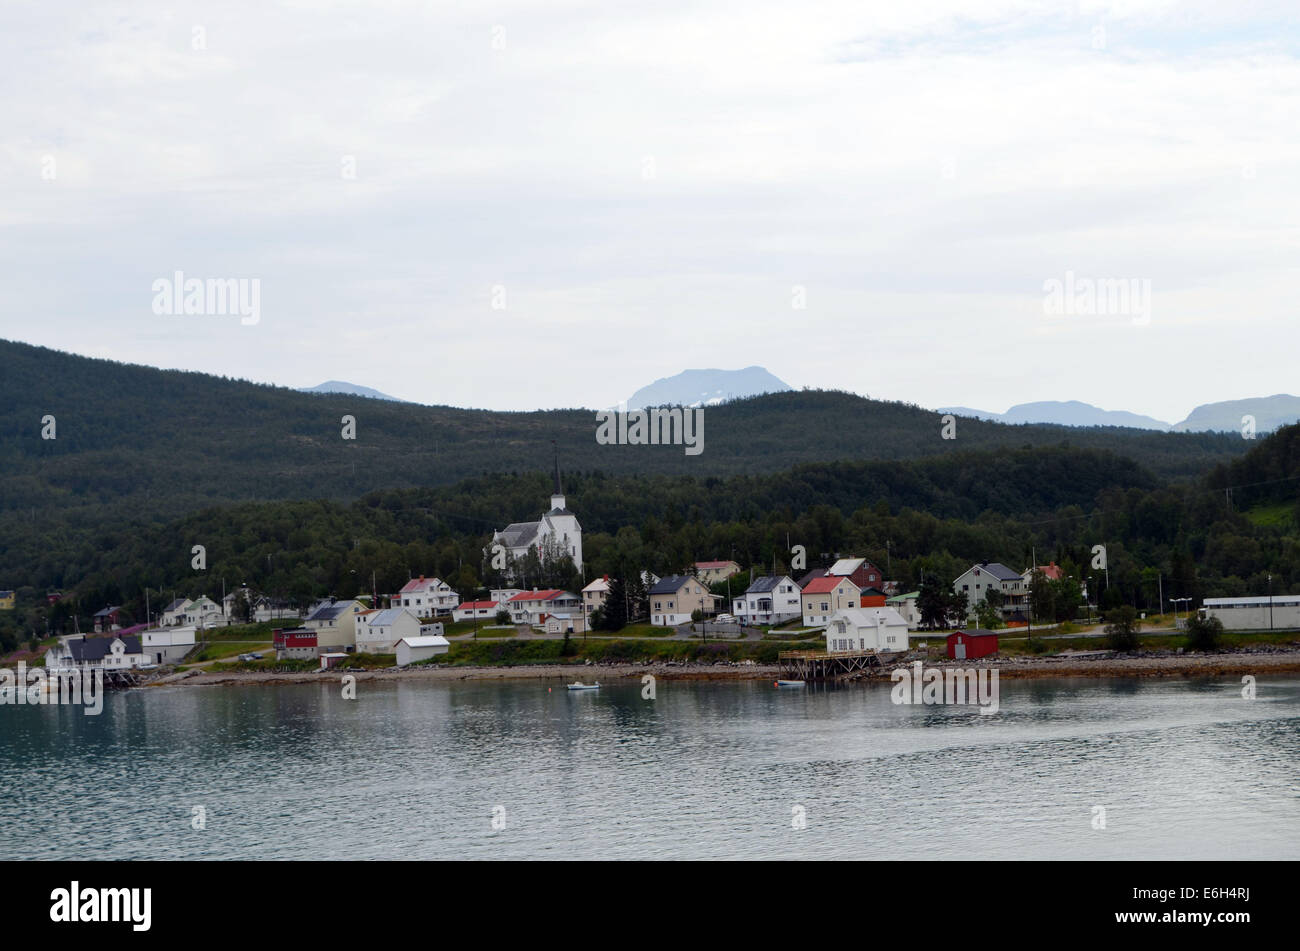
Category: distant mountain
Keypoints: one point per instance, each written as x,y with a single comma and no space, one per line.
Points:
1068,413
706,388
350,389
1270,412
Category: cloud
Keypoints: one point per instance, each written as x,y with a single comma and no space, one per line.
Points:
648,183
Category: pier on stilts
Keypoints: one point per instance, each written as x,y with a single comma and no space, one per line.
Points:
824,665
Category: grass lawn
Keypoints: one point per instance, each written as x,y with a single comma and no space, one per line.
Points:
219,650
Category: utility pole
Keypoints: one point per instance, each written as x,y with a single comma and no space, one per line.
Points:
1270,603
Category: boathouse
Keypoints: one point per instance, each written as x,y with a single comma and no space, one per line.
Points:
972,643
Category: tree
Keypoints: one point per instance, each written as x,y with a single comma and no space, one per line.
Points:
1122,626
613,617
1042,597
1067,596
933,603
958,607
503,616
987,615
1203,633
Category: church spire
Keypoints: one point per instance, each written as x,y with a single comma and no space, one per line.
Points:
558,490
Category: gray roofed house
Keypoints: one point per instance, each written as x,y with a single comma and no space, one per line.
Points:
771,599
978,580
81,651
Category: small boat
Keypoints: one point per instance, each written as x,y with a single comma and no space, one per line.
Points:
579,685
789,683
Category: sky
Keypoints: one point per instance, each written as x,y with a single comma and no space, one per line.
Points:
517,206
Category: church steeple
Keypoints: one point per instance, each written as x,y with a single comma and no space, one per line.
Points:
557,497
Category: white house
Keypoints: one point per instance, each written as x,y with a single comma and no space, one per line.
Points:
379,631
426,597
167,645
412,649
77,651
906,606
529,607
866,629
1279,612
469,610
595,595
555,534
502,595
769,600
203,612
175,613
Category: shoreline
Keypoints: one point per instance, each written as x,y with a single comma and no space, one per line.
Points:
1271,661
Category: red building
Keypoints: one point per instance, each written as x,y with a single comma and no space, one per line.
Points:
872,598
973,643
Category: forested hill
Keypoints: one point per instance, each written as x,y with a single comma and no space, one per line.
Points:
152,443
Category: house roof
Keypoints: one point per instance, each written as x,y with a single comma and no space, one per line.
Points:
387,616
975,632
328,612
872,591
671,584
550,594
520,534
420,584
997,570
426,640
176,605
910,596
809,576
823,585
475,605
108,610
96,648
600,584
870,617
765,583
1052,571
845,566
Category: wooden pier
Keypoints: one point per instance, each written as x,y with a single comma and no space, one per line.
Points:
823,665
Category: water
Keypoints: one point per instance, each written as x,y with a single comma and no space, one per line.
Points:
1183,769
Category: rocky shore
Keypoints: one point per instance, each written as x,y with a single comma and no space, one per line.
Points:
1256,661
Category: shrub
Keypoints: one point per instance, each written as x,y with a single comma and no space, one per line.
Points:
1203,634
1122,626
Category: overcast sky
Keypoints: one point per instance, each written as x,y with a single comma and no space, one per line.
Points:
658,186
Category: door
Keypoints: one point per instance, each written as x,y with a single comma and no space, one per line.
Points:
960,650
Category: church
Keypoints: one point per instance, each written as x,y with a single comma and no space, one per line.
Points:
555,534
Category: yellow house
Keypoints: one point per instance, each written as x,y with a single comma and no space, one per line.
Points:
6,600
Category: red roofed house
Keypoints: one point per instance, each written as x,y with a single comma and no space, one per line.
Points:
426,597
531,607
468,610
822,597
1052,572
711,572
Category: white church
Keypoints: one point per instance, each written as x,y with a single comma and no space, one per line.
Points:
556,533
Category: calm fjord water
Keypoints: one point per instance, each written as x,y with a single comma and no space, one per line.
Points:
1183,769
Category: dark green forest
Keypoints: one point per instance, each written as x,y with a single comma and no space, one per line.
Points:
148,463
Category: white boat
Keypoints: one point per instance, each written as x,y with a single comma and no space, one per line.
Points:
579,685
789,683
